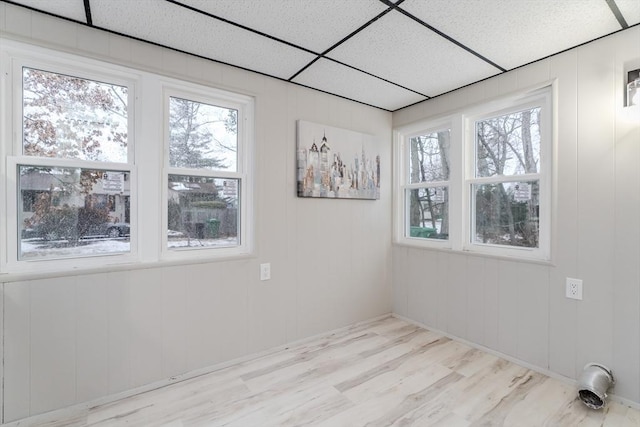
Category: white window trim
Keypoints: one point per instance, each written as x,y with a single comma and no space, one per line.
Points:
18,55
145,163
244,105
402,138
462,170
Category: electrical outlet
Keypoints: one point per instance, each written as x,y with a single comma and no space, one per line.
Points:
265,271
574,288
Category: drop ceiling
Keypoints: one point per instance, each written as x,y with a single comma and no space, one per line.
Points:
387,54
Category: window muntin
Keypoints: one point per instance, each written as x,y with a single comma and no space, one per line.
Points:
71,117
427,189
68,214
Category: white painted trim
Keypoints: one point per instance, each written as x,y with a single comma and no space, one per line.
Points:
148,248
462,174
401,153
244,105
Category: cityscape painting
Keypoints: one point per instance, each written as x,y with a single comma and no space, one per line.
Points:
336,163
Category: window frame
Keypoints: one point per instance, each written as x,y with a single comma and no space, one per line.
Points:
18,57
541,98
145,162
462,174
244,105
405,185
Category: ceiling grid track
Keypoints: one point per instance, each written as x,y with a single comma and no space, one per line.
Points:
616,12
353,33
243,27
361,63
87,12
450,39
318,55
377,77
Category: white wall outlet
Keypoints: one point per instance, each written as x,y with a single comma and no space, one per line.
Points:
574,288
265,271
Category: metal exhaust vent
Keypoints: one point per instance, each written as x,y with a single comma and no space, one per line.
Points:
593,385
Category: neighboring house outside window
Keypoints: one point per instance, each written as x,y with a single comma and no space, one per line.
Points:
207,165
74,129
72,152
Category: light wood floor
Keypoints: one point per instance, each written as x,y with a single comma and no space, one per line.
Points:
384,373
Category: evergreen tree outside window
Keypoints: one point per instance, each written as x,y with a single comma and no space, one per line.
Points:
81,171
206,173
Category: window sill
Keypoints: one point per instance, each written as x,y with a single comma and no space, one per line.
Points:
548,263
110,268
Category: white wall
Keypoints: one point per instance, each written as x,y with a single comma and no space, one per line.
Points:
76,338
518,308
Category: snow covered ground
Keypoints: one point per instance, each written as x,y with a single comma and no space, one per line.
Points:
40,249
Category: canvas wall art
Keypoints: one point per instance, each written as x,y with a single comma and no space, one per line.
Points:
336,163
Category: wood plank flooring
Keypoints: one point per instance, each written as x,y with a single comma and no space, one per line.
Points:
383,373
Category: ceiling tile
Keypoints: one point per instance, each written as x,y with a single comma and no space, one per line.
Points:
344,81
513,33
314,25
399,49
175,26
630,9
72,9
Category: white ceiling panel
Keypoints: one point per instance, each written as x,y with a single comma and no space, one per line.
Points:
399,49
403,59
630,9
513,33
72,9
314,25
340,80
170,25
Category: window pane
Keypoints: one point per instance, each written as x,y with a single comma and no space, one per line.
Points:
72,212
202,136
509,144
74,118
429,157
429,212
202,212
507,213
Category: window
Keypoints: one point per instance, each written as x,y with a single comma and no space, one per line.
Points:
79,170
427,189
478,180
206,172
505,187
72,163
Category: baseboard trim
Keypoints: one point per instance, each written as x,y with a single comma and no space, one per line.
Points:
524,364
80,409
